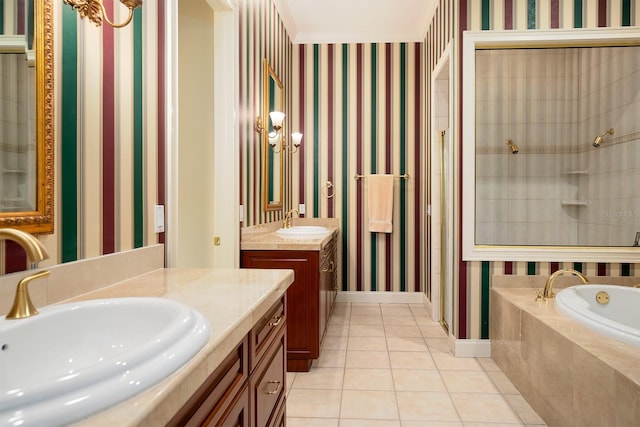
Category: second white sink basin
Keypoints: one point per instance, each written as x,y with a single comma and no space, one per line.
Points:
303,232
75,359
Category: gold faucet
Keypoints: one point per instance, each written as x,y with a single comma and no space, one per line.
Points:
548,286
36,252
287,218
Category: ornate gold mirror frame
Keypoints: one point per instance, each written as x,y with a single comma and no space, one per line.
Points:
273,96
41,219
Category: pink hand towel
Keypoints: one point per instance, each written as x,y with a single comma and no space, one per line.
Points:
380,203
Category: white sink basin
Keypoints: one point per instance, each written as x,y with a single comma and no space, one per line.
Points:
303,232
75,359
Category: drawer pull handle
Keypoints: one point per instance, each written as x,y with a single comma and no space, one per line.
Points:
276,322
278,385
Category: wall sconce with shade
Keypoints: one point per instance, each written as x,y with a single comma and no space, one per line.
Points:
276,139
95,11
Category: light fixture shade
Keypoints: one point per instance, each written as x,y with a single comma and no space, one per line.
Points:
296,138
274,138
276,118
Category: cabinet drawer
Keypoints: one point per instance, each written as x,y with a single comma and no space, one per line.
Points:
237,415
212,401
268,383
265,331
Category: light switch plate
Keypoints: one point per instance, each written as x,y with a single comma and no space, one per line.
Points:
302,208
158,218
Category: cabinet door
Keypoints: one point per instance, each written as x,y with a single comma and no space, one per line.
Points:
303,301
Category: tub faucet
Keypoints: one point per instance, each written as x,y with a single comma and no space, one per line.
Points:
36,252
548,286
287,218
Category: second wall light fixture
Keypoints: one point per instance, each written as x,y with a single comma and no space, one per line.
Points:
95,11
276,139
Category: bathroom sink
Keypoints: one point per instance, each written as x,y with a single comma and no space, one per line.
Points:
303,232
75,359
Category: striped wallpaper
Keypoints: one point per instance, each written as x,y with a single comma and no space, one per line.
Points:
361,109
475,277
109,134
262,35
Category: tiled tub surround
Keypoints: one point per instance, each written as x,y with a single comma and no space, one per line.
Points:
569,374
233,301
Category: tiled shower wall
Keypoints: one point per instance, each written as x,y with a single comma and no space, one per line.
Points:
558,189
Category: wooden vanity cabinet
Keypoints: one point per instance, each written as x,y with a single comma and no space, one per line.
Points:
310,297
248,388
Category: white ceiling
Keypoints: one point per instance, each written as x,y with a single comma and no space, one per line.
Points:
355,21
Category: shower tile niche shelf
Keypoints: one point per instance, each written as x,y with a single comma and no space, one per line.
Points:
573,203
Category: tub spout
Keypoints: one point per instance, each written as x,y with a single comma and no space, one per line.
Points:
548,286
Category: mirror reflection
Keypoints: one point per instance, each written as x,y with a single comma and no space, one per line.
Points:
273,154
26,115
557,141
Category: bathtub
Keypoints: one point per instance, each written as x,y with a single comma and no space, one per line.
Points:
607,309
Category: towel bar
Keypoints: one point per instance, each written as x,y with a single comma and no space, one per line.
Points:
403,176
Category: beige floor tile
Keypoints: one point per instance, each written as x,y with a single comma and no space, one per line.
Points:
485,408
488,364
303,403
336,329
330,359
367,343
369,423
366,331
468,382
396,310
426,405
368,379
369,404
320,378
366,320
313,422
399,320
406,423
332,342
447,361
366,310
340,319
368,359
291,376
502,382
402,331
418,380
438,345
432,331
411,360
522,408
406,344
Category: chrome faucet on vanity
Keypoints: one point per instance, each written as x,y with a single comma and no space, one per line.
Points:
548,286
287,218
36,252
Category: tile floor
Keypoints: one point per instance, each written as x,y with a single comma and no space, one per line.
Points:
388,365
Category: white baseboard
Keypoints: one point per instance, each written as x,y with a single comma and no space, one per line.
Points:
470,348
381,297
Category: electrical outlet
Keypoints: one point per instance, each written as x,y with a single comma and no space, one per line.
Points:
302,209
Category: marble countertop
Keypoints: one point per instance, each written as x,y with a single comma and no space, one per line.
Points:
264,236
233,300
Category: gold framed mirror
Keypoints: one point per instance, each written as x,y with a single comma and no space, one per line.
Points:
273,98
27,143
